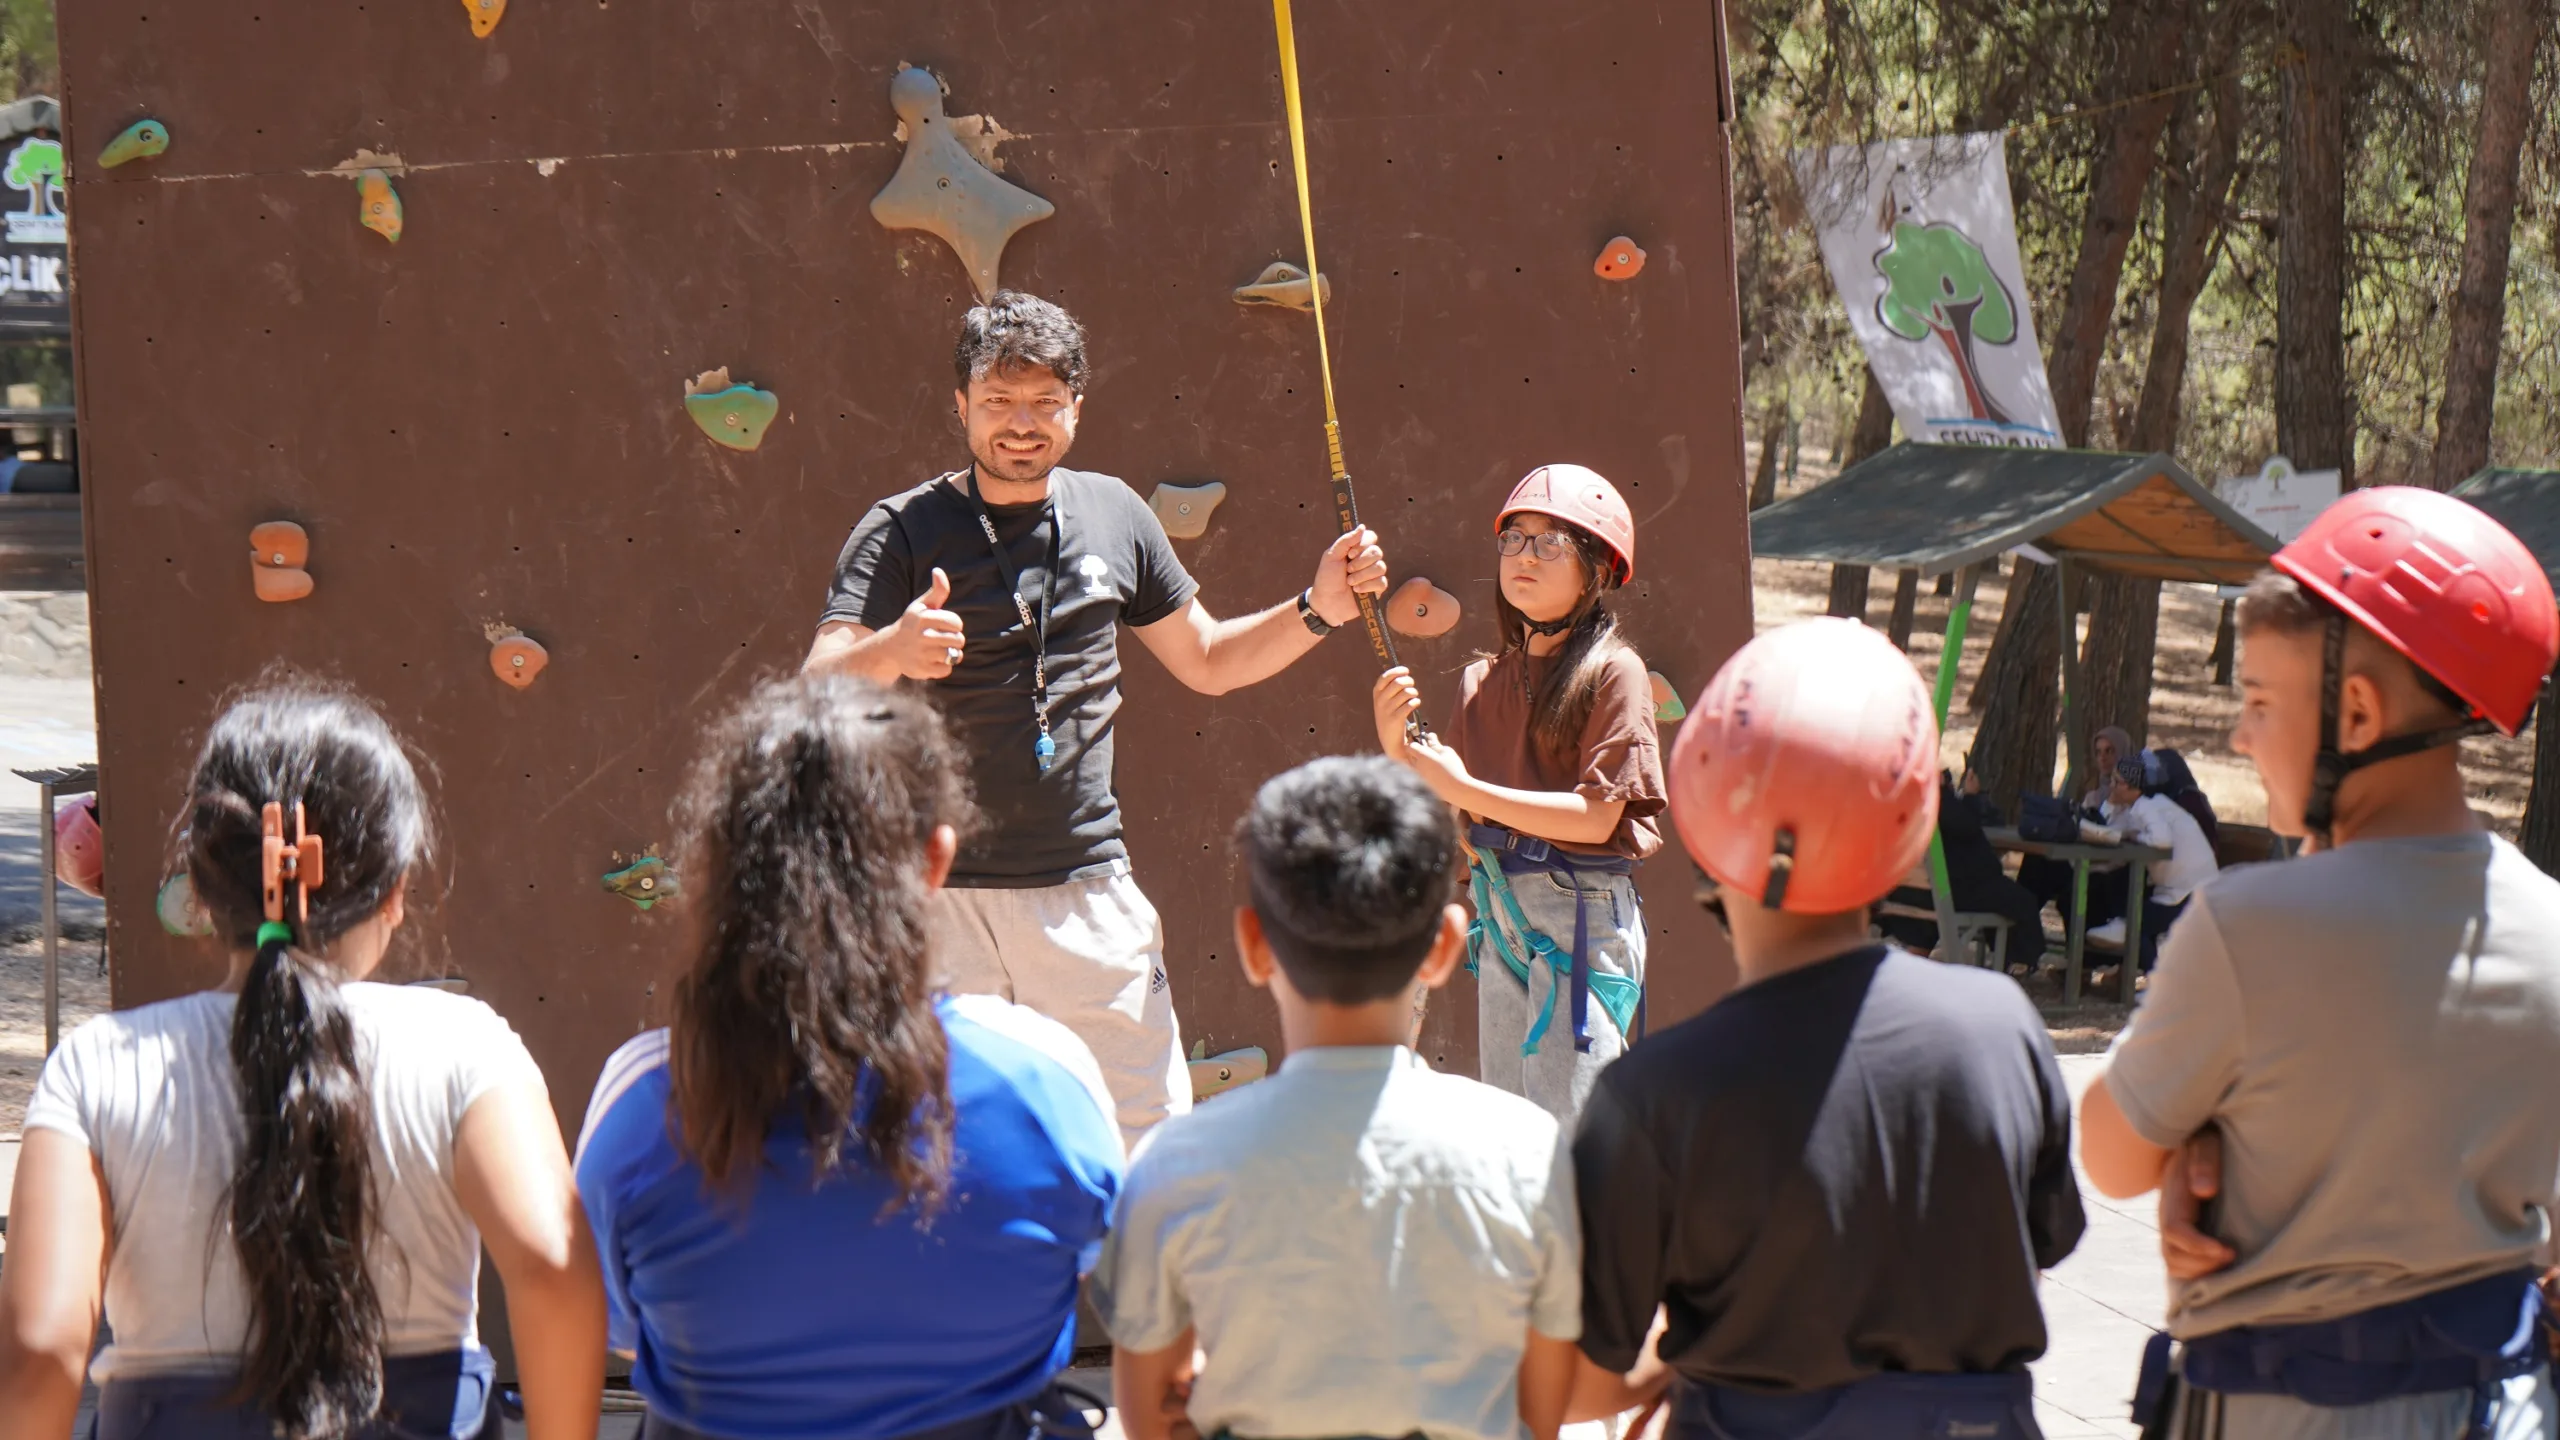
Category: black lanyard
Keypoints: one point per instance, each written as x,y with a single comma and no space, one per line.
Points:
1043,750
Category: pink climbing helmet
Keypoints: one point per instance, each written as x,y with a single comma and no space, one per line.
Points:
1803,777
79,847
1577,495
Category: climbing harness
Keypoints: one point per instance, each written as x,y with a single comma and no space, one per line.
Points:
1346,509
1490,887
2473,1337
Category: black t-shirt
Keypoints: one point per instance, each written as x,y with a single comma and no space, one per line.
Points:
1114,566
1855,1167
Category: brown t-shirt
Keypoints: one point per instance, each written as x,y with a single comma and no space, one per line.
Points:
1620,757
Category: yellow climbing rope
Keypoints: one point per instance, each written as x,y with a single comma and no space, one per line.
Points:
1346,509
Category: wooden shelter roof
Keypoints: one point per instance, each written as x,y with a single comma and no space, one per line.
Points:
1936,508
2526,502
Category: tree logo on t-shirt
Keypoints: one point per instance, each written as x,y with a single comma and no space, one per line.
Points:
1097,574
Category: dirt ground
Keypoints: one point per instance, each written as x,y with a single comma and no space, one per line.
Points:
84,993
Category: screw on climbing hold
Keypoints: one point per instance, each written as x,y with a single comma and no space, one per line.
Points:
1285,285
1666,701
378,205
179,911
735,415
485,15
278,551
1421,609
942,189
644,882
1211,1074
1184,510
139,141
1620,259
516,657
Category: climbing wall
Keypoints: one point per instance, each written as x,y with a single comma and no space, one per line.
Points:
482,428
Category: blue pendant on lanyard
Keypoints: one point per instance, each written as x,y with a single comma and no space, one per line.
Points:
1044,751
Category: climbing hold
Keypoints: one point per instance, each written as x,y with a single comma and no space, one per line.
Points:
1185,509
735,415
1285,285
1211,1074
378,205
485,15
942,189
1666,701
516,658
1620,259
179,910
644,882
277,552
140,141
1422,609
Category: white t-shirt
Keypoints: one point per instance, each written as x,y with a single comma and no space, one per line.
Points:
150,1091
1416,1224
2159,821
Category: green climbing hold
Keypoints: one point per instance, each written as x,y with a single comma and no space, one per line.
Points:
736,416
1666,700
644,882
140,141
180,912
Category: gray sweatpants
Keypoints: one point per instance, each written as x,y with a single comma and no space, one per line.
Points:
1558,1078
1088,954
2524,1411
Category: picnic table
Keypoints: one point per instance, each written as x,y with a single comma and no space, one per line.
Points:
2083,855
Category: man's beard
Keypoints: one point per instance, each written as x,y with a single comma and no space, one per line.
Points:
1017,470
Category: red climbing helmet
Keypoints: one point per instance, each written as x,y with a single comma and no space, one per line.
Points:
79,849
1805,774
2441,583
1580,496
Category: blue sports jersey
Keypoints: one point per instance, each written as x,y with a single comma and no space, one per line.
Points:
788,1311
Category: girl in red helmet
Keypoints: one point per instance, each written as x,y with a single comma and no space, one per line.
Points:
1838,1183
1552,756
2365,1029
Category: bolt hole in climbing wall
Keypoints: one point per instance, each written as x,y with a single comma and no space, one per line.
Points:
572,339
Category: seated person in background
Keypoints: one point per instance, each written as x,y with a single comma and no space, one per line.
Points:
2156,820
1362,1245
831,1201
2165,772
2048,879
1975,880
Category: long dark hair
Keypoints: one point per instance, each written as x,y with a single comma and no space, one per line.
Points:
1560,705
805,833
301,1199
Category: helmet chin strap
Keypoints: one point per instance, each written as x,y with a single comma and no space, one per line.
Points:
2332,766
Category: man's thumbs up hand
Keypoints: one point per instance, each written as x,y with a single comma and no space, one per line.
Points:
927,640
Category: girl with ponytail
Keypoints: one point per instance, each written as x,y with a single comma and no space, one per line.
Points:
1552,756
831,1200
277,1189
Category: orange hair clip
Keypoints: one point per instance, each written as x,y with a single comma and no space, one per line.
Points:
279,862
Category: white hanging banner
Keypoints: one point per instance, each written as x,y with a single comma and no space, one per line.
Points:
2280,499
1922,242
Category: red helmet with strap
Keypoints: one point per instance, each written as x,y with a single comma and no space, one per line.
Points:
2446,586
1805,774
1580,496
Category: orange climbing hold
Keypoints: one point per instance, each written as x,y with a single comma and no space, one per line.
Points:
1620,259
516,659
277,552
378,205
485,15
1422,610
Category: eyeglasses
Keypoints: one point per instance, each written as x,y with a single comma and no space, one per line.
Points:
1550,546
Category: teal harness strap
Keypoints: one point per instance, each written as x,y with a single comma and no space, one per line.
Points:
1488,886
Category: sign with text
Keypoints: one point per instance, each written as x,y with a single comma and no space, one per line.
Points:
2279,499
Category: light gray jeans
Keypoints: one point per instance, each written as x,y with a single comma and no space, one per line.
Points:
1558,1078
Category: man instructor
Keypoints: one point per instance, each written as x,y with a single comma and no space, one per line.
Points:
1004,584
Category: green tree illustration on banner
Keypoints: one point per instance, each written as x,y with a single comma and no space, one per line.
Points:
1939,283
36,168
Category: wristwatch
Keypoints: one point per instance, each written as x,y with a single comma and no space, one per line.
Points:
1316,624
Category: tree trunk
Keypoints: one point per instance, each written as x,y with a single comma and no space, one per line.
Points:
2124,613
2479,314
2226,645
1874,433
2540,837
2147,38
1764,476
2022,690
1906,607
2314,419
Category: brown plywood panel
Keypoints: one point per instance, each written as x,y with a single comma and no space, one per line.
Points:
483,424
